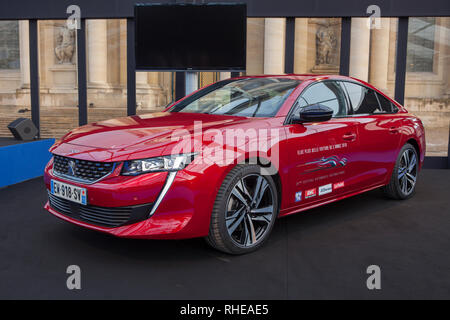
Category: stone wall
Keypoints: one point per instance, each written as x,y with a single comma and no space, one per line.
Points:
317,50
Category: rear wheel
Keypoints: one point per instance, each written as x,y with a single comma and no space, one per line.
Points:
403,180
244,211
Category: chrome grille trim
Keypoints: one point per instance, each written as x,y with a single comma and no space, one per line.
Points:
86,172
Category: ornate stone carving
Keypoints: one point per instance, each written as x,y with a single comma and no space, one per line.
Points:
326,45
65,45
326,31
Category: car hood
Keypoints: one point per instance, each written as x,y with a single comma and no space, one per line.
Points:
136,136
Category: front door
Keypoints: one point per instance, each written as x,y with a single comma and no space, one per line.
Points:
320,156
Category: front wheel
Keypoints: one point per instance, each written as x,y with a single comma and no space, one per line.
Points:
403,180
244,211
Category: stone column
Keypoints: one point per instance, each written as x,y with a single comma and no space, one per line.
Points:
255,46
360,49
156,94
24,53
224,75
142,90
301,46
379,60
274,43
142,80
123,53
148,90
153,78
97,53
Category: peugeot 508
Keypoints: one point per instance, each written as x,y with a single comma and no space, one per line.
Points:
224,162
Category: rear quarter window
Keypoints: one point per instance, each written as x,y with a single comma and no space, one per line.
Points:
386,105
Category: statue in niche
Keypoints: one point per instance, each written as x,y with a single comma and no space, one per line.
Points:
326,44
65,45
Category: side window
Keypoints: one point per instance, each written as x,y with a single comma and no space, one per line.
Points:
326,93
363,100
386,105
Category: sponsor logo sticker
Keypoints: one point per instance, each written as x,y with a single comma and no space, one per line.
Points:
298,196
338,185
325,189
310,193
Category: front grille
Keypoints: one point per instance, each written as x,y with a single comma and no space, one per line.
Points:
81,170
100,216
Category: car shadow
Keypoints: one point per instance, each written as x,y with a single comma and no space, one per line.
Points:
313,220
341,211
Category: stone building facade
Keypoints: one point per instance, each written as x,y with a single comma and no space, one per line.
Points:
317,50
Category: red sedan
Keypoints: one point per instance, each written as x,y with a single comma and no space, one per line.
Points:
226,161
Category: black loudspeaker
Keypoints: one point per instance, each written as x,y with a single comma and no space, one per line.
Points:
23,129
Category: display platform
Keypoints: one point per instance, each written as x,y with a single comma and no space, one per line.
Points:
22,160
320,254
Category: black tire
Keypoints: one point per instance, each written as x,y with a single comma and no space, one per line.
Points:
219,233
395,189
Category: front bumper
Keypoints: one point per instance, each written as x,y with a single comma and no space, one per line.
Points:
100,216
153,216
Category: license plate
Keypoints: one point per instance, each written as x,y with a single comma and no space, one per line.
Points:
68,192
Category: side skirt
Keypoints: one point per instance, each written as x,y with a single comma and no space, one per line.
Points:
288,212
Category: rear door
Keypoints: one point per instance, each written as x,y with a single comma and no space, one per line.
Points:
318,156
378,132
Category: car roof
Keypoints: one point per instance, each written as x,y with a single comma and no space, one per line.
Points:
301,77
313,77
318,77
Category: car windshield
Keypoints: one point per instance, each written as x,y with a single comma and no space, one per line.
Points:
252,97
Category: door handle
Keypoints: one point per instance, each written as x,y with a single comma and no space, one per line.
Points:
393,129
349,136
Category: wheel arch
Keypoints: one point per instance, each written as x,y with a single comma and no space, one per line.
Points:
416,146
261,161
264,162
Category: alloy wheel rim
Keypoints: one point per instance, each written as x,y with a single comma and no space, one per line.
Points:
407,171
250,209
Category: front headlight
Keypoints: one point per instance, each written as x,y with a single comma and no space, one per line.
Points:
158,164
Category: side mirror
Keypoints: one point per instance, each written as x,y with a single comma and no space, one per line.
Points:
314,113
